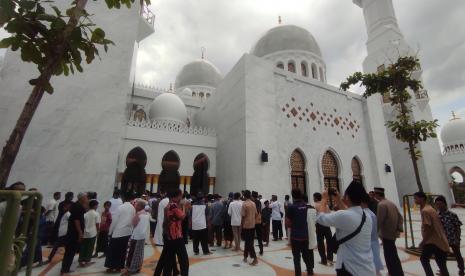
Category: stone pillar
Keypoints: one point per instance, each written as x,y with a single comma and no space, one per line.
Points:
155,182
211,185
187,186
148,182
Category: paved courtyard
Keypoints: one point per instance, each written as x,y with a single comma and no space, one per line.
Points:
277,260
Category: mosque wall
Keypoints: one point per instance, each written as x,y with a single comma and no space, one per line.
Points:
73,141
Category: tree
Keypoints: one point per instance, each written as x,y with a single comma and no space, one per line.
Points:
396,83
56,43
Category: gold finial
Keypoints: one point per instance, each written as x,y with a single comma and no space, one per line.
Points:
202,50
279,20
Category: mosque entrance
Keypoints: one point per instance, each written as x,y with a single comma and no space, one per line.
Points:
199,181
169,177
458,185
298,171
133,179
330,173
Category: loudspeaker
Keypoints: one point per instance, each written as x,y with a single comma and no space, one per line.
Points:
264,156
387,168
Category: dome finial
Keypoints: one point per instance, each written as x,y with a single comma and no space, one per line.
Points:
202,50
279,20
454,117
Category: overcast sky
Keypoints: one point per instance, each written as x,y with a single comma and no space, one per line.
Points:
228,29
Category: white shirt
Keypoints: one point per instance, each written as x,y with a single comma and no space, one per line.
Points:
115,203
355,254
275,210
199,219
91,218
234,210
311,220
140,231
52,206
121,225
262,201
161,214
63,228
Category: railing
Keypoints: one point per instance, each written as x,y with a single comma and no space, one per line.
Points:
147,14
12,243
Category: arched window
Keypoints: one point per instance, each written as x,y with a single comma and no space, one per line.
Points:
322,76
194,94
356,169
208,95
457,175
291,66
200,178
314,71
303,68
134,177
201,95
280,65
140,115
298,171
169,177
330,173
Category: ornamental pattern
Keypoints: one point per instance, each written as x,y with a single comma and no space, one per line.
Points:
173,126
297,162
316,118
329,165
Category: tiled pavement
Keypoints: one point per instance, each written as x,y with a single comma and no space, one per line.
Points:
277,260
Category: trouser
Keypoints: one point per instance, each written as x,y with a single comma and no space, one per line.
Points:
301,248
171,250
218,230
237,236
116,252
322,233
440,257
277,229
344,272
258,233
248,246
202,237
61,241
266,232
153,226
86,250
210,234
71,248
50,237
185,230
458,257
391,257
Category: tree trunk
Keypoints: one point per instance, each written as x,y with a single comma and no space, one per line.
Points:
415,165
13,144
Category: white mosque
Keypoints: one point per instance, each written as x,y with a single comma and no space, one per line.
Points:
270,124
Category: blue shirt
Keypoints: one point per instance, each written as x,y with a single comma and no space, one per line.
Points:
355,254
297,214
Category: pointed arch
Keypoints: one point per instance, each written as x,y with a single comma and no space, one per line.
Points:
331,171
298,171
280,65
291,66
304,68
169,177
314,71
200,177
357,169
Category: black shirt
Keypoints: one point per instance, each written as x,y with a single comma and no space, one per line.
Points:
77,213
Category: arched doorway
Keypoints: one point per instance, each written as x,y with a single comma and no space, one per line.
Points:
199,181
169,177
356,170
458,185
330,174
133,179
298,171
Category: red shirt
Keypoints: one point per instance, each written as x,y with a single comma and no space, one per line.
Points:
173,218
105,221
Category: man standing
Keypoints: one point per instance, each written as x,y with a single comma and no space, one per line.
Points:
234,210
451,223
217,218
51,214
115,202
258,221
434,239
160,219
249,213
276,218
120,232
141,223
199,225
68,200
75,233
323,233
389,227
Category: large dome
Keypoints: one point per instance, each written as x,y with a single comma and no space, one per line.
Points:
285,38
453,131
199,72
168,106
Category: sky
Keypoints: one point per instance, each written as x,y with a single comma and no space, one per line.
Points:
229,28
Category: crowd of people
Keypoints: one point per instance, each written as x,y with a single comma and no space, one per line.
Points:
123,226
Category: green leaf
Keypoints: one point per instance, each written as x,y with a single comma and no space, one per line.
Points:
7,42
48,88
97,35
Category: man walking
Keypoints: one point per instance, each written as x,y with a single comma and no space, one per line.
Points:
296,220
217,219
451,223
249,213
434,239
276,218
389,227
199,225
323,233
51,215
234,210
258,221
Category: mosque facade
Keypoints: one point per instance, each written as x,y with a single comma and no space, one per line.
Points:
270,124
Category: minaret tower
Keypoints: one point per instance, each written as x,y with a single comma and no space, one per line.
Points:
385,45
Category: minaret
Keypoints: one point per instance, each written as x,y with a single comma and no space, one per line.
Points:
385,45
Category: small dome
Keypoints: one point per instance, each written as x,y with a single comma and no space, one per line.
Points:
168,106
198,72
453,131
285,38
186,92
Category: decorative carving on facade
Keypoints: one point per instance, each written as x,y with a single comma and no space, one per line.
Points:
454,149
173,126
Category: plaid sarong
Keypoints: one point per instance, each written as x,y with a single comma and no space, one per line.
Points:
137,256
